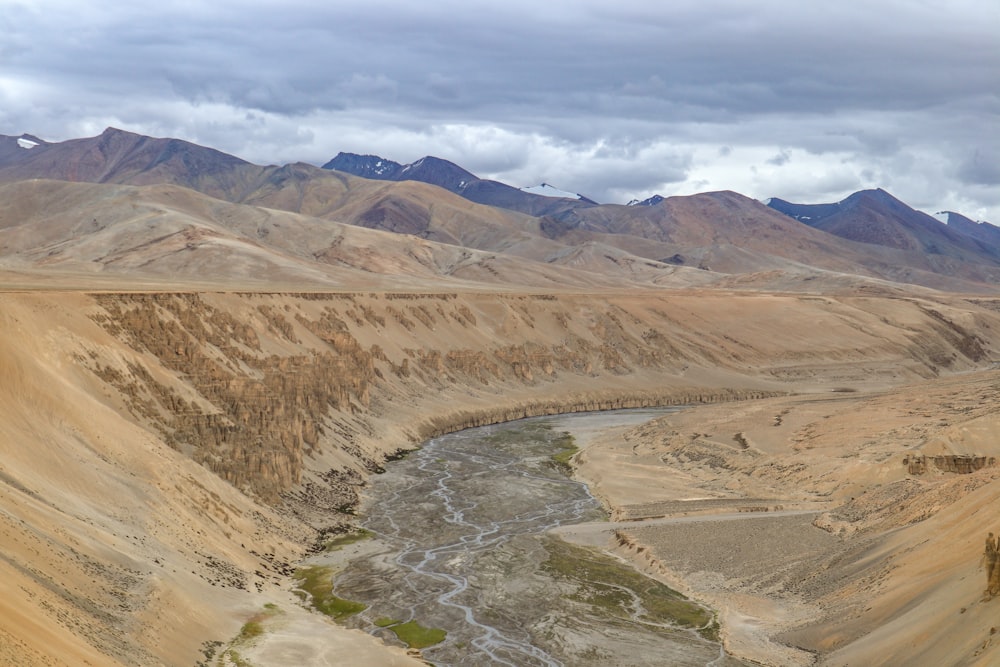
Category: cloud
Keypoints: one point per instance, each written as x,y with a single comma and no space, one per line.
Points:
780,159
981,168
615,101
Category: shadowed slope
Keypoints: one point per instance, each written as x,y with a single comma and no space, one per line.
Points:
877,218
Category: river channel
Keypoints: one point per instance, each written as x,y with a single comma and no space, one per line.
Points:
461,544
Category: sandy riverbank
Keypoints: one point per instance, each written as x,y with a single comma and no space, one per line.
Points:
822,587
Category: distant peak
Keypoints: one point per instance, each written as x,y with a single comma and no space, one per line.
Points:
344,154
877,194
114,131
651,201
368,166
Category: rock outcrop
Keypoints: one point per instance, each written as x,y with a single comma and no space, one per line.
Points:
962,464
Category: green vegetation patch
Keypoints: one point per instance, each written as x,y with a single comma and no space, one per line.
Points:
567,450
315,586
613,588
340,541
542,435
415,635
255,626
252,628
538,431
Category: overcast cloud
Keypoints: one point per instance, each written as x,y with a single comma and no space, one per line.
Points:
804,101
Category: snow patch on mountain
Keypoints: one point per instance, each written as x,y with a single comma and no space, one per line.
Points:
651,201
547,190
413,165
26,143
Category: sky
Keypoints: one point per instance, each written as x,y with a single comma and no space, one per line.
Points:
805,101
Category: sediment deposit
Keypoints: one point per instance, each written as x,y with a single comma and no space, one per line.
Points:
880,565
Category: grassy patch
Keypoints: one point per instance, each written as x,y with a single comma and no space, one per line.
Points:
315,586
255,626
600,579
252,628
567,450
340,541
415,635
385,622
532,430
711,631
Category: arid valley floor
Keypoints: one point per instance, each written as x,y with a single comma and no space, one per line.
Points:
137,528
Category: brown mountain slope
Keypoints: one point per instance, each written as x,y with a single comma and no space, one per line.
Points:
701,227
453,178
402,208
407,207
724,232
876,217
116,156
126,158
178,236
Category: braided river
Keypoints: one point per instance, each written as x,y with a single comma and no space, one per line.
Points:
461,543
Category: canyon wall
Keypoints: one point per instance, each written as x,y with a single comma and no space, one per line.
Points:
167,456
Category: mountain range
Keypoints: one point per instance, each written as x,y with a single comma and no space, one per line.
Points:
171,207
205,363
448,175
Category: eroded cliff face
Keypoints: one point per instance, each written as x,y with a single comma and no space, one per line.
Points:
963,464
254,386
219,434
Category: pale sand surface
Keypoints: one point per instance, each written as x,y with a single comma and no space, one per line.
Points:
299,637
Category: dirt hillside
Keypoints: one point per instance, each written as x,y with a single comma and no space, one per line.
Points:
167,457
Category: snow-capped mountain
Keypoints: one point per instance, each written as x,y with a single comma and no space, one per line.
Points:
27,141
547,190
651,201
876,217
367,166
540,200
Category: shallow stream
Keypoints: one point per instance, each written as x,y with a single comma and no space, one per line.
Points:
461,545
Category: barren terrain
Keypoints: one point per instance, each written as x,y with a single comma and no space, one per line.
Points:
885,566
203,363
168,457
